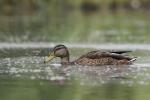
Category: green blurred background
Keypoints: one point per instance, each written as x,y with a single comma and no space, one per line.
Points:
78,21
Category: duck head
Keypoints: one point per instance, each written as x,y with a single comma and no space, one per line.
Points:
60,51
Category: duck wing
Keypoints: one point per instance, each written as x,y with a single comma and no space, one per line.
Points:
120,51
113,54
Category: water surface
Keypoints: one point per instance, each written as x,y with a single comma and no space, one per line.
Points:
24,76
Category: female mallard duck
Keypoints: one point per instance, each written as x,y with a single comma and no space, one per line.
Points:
93,58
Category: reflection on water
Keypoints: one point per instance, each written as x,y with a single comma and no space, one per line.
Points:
24,76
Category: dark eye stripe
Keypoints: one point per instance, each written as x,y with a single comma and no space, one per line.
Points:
59,47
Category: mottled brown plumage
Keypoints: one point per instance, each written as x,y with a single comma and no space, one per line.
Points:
93,58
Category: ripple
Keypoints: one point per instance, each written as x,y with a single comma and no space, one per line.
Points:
94,46
32,68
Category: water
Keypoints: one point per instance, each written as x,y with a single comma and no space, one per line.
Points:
75,27
24,76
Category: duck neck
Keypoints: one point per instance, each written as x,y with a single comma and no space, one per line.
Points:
65,60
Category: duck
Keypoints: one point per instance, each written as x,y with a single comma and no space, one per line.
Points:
92,58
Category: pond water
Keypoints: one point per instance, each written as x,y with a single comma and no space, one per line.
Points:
24,76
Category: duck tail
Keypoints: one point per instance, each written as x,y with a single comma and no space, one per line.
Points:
133,59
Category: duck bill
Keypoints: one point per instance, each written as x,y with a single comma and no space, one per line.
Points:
49,58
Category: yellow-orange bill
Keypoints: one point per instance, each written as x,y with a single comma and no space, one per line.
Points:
49,58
